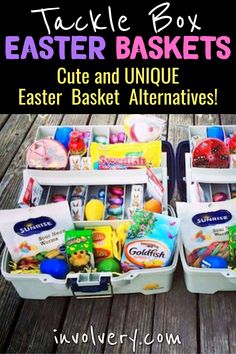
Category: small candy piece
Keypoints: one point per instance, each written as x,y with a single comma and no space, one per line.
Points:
109,265
117,190
114,139
219,197
57,268
101,139
101,193
115,200
214,262
56,198
114,210
121,137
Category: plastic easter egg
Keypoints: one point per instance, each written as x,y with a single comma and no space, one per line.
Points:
57,268
63,135
211,153
115,200
117,190
121,137
114,139
101,139
114,210
219,197
109,265
153,205
113,217
214,262
94,210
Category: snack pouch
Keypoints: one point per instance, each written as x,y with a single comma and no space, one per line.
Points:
125,156
204,229
30,231
150,242
232,246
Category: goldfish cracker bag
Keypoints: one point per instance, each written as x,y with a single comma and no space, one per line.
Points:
125,156
151,241
204,229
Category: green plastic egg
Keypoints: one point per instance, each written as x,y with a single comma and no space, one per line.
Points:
109,265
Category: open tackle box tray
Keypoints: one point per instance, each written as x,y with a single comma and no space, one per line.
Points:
145,281
203,280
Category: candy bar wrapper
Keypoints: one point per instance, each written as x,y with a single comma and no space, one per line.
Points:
31,193
30,231
151,241
205,229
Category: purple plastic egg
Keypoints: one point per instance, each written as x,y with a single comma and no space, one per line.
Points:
113,139
115,200
121,137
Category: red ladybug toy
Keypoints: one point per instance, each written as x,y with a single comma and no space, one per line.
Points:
211,153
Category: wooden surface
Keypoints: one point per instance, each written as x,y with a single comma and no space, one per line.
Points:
205,323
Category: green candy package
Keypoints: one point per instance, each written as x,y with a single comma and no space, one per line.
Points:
232,246
79,249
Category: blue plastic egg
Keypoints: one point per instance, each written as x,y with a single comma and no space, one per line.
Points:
214,262
63,135
57,268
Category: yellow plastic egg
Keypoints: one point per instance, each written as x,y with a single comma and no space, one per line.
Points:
94,210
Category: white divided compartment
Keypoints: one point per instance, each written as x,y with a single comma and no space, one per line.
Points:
92,193
57,191
45,132
109,204
101,131
220,188
115,130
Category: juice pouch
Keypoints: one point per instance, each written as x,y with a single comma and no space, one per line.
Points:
79,249
150,242
205,229
125,156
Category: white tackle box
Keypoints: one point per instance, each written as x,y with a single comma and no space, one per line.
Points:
146,281
199,280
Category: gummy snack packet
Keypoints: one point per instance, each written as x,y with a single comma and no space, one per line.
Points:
125,156
29,231
205,229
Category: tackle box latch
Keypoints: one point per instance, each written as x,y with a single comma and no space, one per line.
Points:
85,285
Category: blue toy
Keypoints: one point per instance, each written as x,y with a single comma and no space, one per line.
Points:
57,268
215,132
214,262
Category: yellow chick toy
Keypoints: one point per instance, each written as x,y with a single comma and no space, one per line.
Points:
79,260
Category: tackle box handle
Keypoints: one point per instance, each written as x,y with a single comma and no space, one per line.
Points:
168,149
77,287
181,150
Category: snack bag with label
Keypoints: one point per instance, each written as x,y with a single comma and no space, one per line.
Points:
205,229
29,231
150,242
